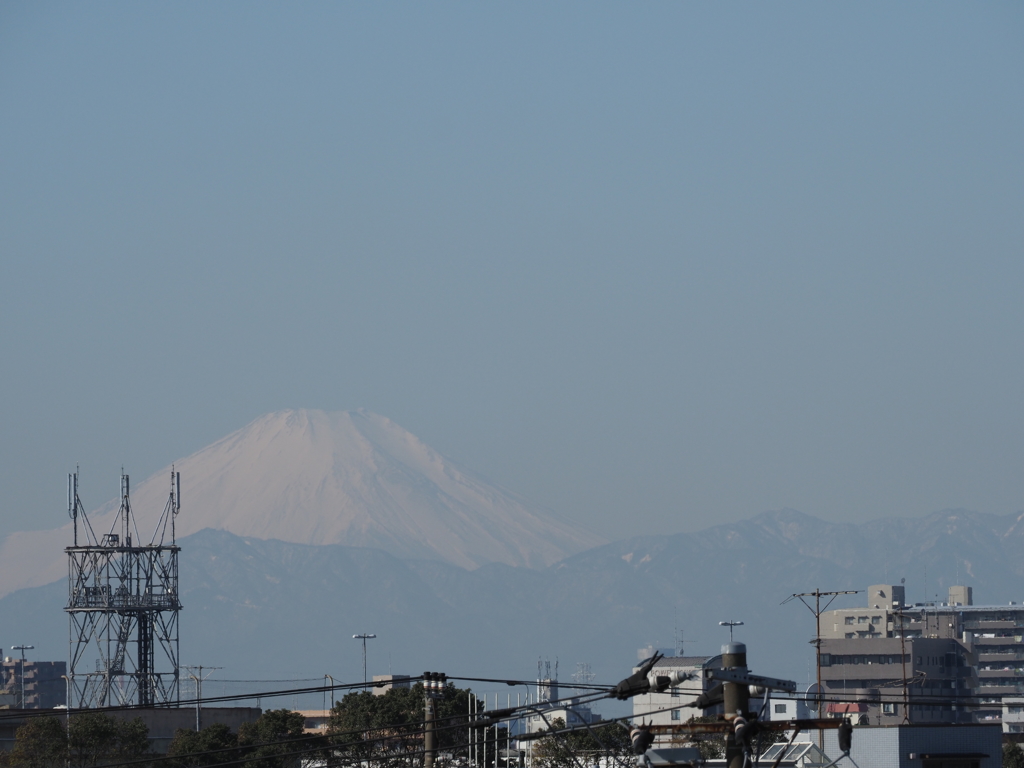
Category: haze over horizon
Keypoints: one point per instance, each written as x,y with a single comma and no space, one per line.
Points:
651,267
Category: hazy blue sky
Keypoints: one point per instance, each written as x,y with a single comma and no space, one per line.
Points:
653,265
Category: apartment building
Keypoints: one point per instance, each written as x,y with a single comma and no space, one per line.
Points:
872,681
675,706
993,635
44,684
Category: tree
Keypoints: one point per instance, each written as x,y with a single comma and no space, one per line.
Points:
42,742
1013,755
711,745
581,745
95,738
90,739
388,729
192,748
274,737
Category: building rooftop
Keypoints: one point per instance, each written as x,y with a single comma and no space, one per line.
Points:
682,661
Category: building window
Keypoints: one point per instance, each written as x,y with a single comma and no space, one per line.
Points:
675,714
780,709
862,619
675,693
849,619
888,708
850,635
876,619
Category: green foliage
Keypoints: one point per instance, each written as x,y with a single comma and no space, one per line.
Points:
95,738
1013,755
277,733
92,739
41,743
267,743
189,746
388,729
711,745
581,745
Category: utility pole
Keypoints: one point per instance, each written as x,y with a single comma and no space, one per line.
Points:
903,661
199,687
23,648
433,688
364,638
817,610
736,702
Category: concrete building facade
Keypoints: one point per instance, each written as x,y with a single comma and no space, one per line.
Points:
674,706
922,746
866,679
993,636
1013,715
45,686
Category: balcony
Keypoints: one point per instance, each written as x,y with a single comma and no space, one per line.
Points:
975,625
981,640
986,674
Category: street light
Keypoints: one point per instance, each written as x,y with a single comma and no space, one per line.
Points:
67,710
730,625
23,648
332,690
192,670
364,638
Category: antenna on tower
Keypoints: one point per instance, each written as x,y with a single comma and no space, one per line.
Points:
76,510
583,675
171,509
122,594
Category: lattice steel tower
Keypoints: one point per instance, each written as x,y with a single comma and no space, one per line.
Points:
123,597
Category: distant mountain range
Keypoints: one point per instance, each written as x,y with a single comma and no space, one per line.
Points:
305,528
312,477
267,609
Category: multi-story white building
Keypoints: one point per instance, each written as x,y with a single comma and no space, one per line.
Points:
675,706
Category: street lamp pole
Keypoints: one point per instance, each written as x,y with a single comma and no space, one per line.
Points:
364,638
332,690
22,648
67,712
730,625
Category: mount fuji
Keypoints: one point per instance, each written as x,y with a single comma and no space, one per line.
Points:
352,478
